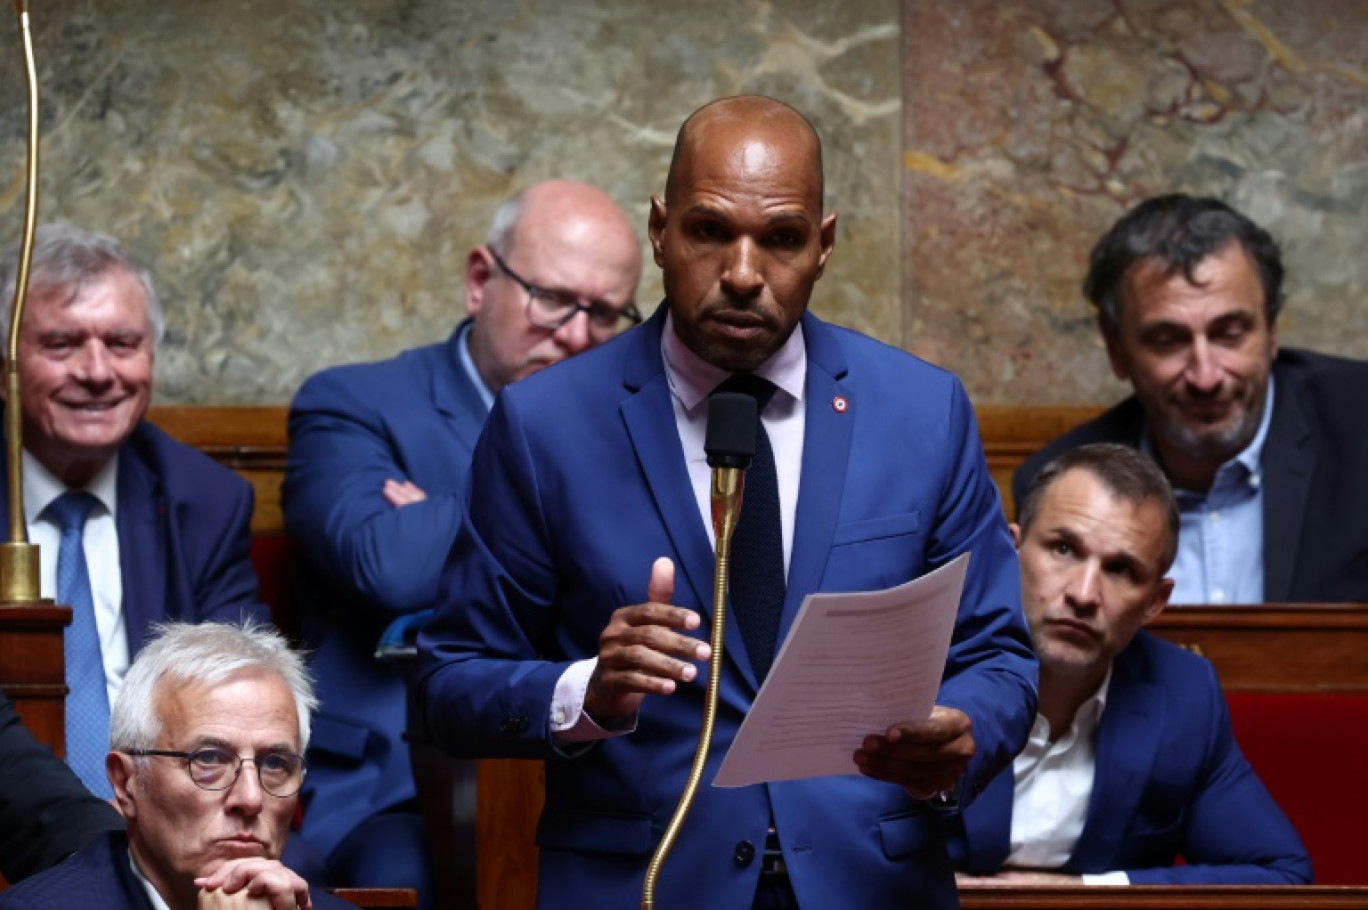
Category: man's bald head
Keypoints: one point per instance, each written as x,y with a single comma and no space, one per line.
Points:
748,113
740,236
568,241
555,202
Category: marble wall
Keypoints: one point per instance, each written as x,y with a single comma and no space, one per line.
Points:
306,176
1031,125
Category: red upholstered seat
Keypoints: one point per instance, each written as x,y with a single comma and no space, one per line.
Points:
272,557
1311,751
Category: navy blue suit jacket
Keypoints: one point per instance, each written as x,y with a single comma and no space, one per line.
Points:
415,417
45,812
579,483
99,877
185,538
1315,462
1170,782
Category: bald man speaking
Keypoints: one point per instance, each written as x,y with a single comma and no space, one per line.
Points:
573,613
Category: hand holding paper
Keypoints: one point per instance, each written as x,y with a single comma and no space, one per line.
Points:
852,666
923,758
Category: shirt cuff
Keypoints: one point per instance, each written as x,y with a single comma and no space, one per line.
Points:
570,723
946,802
1106,878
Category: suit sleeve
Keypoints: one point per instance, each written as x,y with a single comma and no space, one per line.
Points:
991,669
483,690
45,812
1235,833
339,459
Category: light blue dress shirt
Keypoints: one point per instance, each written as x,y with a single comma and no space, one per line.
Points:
472,371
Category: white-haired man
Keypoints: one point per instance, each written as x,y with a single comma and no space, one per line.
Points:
207,737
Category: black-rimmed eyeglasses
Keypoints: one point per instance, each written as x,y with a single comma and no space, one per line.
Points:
280,773
552,309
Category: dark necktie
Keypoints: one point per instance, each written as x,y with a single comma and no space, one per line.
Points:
87,703
757,551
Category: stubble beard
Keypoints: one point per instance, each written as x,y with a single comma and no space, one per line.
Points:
1220,443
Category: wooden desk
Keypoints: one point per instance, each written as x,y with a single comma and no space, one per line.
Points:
1165,897
33,668
377,898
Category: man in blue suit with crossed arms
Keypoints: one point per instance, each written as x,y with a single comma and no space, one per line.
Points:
572,612
378,456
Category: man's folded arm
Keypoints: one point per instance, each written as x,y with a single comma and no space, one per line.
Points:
336,511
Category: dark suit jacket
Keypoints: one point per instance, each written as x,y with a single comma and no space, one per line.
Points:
415,417
99,877
45,813
579,483
1170,782
1315,462
185,541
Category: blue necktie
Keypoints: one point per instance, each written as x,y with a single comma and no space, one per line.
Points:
757,551
87,703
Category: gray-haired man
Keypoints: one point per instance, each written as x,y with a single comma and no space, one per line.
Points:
207,736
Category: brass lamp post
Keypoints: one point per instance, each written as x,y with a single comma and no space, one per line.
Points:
18,557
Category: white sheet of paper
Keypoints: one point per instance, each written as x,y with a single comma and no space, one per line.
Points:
852,664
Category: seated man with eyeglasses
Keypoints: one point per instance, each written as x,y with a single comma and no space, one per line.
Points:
206,739
372,496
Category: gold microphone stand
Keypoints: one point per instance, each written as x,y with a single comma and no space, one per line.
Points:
727,486
18,557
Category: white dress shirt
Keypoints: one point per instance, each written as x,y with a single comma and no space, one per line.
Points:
152,894
692,380
1053,785
101,540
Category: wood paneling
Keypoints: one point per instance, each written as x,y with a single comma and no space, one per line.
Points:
252,441
1276,647
249,440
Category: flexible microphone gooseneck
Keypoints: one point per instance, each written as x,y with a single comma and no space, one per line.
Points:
730,444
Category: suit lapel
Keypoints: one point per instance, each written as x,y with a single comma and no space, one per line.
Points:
826,453
455,396
142,546
132,891
1289,460
648,414
1127,743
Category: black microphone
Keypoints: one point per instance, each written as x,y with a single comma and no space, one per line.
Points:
730,444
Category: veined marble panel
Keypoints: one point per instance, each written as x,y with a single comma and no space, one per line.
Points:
305,176
1031,125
